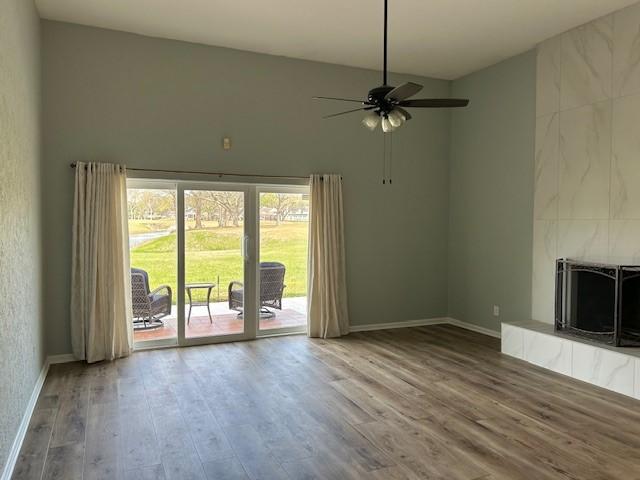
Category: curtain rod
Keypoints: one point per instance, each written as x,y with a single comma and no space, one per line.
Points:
217,174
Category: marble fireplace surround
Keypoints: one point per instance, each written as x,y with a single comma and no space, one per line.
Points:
587,186
587,172
613,368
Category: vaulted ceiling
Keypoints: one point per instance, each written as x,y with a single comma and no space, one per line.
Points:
436,38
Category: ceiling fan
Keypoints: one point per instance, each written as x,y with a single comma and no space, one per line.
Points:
386,104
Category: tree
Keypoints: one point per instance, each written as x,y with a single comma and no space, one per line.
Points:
198,211
135,209
230,207
149,204
226,207
283,203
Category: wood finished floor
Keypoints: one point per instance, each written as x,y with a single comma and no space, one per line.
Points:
433,402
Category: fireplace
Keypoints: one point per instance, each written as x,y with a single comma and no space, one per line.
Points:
598,301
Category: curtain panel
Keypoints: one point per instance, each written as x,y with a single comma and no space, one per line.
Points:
101,312
327,308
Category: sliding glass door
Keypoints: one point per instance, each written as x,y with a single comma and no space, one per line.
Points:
216,262
153,257
283,231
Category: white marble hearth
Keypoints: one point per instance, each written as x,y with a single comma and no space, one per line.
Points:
613,368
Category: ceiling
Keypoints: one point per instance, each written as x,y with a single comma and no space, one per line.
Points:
436,38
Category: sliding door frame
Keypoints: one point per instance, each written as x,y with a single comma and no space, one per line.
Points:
270,188
153,184
250,298
251,225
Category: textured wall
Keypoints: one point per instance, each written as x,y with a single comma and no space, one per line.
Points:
587,191
21,352
156,103
491,193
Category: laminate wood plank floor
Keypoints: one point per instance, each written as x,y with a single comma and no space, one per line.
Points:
433,402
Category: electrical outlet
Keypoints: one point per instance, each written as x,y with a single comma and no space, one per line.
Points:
496,310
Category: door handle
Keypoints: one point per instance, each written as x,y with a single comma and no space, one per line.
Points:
244,247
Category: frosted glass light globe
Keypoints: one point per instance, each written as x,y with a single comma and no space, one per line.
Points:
371,120
387,126
396,118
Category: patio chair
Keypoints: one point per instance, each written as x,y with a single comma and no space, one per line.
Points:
148,306
271,288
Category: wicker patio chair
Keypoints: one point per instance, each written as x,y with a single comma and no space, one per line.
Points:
148,306
271,288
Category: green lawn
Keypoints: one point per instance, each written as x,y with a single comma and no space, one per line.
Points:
213,254
147,226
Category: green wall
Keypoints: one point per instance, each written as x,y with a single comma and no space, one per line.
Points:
146,102
22,349
459,209
491,193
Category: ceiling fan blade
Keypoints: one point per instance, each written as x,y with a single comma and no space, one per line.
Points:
348,111
339,99
405,90
435,103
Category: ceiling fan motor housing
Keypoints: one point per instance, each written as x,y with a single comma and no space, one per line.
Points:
376,97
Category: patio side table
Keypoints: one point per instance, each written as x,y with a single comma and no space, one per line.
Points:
199,286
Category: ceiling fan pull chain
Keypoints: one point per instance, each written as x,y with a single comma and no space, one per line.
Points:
384,158
390,156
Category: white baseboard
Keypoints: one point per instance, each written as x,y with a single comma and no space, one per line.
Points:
473,327
405,324
424,322
14,453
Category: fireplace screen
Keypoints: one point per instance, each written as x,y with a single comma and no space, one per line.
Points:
598,301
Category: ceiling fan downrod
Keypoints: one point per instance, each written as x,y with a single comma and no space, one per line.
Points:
384,69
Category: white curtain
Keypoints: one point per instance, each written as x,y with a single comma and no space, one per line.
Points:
327,310
101,323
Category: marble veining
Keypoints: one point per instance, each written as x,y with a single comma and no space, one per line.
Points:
548,352
624,239
543,280
512,340
548,76
613,368
546,167
583,238
625,160
588,180
603,368
626,51
585,162
587,55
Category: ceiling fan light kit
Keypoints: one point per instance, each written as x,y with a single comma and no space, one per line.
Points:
387,126
371,120
396,118
386,104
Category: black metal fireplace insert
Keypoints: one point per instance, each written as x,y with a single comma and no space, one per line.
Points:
598,301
